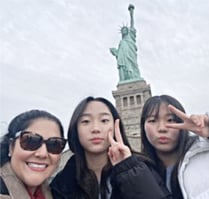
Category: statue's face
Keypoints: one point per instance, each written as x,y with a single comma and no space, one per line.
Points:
124,30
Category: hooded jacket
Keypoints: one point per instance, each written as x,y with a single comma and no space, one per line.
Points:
194,171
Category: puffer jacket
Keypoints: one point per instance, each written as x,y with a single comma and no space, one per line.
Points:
16,189
130,179
194,171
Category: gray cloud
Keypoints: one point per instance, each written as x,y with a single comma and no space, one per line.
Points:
54,53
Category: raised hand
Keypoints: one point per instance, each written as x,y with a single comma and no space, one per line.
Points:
118,151
198,124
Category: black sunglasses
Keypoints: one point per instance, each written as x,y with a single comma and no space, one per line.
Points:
32,141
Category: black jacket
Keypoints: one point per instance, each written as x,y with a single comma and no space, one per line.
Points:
130,179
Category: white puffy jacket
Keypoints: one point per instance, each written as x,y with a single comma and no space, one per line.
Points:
194,171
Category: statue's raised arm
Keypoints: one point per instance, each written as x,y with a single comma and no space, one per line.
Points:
131,10
126,54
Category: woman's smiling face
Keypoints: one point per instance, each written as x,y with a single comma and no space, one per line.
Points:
34,167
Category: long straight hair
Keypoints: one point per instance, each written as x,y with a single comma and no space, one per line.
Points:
86,178
152,105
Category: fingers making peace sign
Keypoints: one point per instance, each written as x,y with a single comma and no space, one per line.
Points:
118,151
198,124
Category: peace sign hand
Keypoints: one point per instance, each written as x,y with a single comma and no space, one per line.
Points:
198,124
117,150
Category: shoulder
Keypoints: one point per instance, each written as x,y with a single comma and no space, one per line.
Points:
11,183
195,166
65,181
198,150
4,172
136,163
3,187
134,177
67,172
197,144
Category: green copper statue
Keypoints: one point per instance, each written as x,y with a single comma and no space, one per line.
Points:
126,54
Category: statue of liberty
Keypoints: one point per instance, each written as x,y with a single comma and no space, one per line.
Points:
126,54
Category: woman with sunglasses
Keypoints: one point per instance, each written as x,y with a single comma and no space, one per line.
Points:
103,165
30,153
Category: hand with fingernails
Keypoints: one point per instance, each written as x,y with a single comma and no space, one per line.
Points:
118,151
198,124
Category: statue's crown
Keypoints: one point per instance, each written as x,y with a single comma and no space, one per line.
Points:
123,27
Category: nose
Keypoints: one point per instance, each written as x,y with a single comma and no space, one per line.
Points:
162,126
95,128
41,152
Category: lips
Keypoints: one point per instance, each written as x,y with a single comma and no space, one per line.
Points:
96,140
37,166
163,139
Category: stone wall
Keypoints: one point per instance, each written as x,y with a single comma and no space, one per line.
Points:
129,100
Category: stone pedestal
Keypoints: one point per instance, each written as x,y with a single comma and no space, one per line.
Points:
130,98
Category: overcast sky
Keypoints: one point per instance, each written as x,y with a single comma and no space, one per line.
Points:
53,53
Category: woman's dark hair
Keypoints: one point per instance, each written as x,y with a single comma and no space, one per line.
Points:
152,105
20,123
86,178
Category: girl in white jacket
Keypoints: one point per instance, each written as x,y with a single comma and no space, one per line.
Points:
193,171
181,159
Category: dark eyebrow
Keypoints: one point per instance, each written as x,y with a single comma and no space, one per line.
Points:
152,115
170,114
85,114
102,113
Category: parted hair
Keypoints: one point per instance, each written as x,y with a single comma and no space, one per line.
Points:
86,178
152,106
